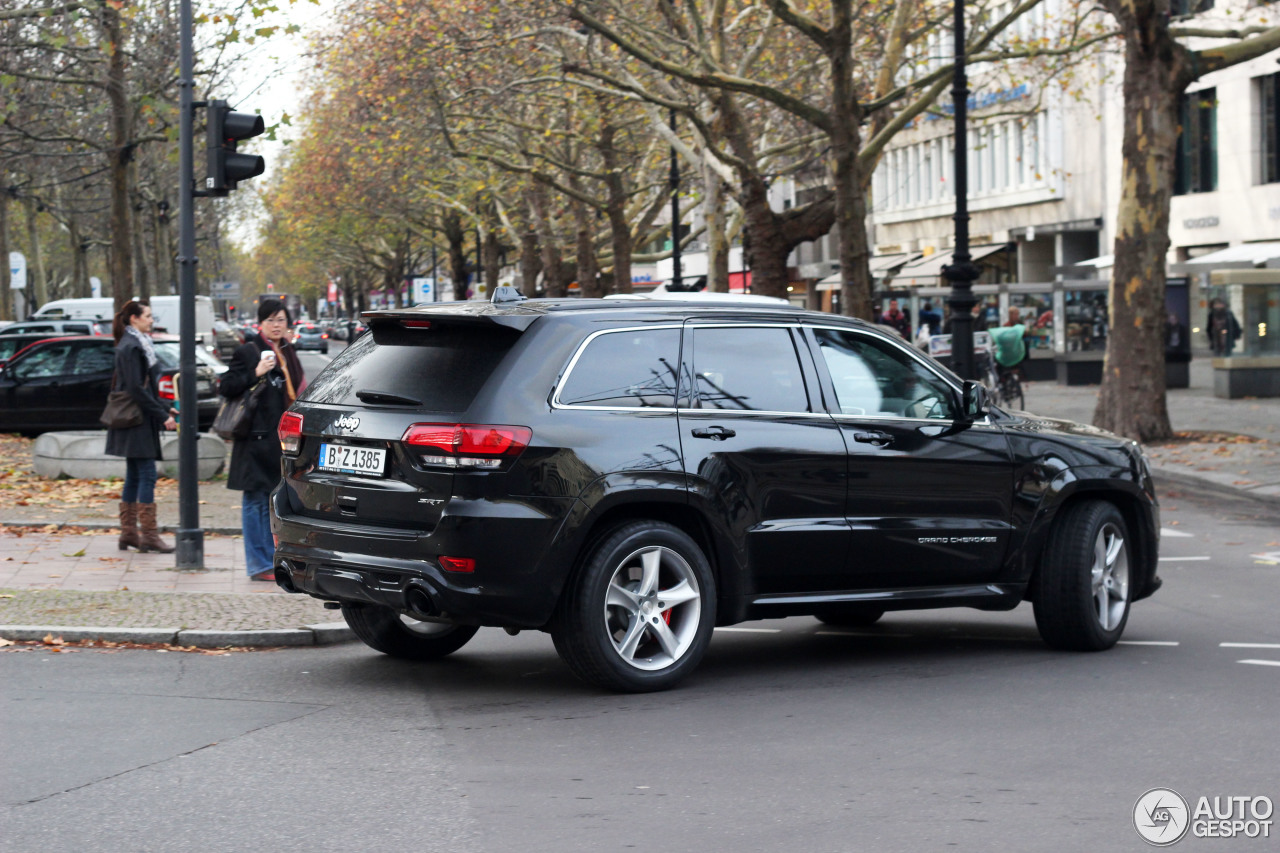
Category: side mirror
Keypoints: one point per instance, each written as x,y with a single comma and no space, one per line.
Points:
976,402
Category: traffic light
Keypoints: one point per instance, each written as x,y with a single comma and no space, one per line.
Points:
224,166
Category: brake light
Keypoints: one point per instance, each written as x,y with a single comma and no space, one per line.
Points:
324,336
416,324
166,388
467,445
290,432
458,564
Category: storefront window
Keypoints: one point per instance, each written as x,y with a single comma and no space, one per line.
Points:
1086,320
1035,311
1243,320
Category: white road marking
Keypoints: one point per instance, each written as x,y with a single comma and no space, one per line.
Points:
752,630
1249,645
1261,662
1269,555
1182,559
1148,642
1176,534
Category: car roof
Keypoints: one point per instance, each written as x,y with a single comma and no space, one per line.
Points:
521,315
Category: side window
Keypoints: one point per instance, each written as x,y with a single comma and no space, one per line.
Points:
631,369
748,369
92,358
44,362
875,379
76,328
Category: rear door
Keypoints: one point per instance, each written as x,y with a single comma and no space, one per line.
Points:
353,465
88,382
35,388
759,450
929,495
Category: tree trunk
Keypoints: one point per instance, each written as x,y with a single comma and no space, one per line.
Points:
37,283
142,274
6,294
588,267
850,195
118,160
1131,401
530,262
621,238
717,239
451,225
552,260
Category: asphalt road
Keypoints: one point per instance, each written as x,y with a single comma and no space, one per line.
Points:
950,729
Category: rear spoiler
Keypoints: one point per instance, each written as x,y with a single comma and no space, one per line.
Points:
514,316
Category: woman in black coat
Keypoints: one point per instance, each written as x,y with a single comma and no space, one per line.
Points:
138,372
267,357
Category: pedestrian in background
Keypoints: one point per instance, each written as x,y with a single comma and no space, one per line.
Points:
268,357
930,318
138,373
1223,328
897,319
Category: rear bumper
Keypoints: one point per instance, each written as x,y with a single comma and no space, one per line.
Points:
515,582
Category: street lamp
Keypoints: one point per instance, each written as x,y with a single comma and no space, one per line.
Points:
961,272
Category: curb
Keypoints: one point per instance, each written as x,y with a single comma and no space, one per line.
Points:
324,634
1181,478
106,525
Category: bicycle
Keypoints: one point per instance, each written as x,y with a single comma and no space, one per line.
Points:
1009,387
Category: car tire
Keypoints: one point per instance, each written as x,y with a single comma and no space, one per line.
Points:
860,618
638,615
385,630
1082,600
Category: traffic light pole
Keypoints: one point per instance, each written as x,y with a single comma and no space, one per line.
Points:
189,543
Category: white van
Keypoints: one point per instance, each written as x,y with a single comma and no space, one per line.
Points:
165,309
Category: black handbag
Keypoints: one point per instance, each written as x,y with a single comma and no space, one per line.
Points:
235,415
122,411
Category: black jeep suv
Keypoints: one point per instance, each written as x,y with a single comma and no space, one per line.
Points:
629,474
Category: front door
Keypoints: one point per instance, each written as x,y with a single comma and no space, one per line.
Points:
759,450
929,494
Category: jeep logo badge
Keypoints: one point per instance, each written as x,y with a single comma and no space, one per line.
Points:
346,422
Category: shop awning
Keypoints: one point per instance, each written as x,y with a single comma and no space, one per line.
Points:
881,266
1244,256
927,270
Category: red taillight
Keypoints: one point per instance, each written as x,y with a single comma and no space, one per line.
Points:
467,445
324,336
416,324
290,432
458,564
166,388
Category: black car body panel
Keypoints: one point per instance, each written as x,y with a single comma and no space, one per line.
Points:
821,504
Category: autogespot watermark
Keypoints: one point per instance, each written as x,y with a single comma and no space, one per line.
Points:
1163,817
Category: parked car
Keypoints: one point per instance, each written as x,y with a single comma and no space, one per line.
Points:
627,475
10,345
58,327
226,337
310,336
62,383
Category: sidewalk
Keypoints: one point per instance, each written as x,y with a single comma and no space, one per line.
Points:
60,569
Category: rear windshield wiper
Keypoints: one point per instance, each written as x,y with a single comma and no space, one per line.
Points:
386,398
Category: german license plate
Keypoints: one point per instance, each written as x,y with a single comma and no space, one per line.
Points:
352,460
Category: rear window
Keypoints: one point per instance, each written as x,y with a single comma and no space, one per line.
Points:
444,367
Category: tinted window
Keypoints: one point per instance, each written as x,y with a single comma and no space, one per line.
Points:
92,358
874,378
77,328
21,328
748,368
632,369
45,361
444,366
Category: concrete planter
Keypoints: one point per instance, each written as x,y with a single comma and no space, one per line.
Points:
79,455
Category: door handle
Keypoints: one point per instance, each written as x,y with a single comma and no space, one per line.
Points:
879,439
716,433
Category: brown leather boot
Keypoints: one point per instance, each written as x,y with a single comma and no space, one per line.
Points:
150,539
129,526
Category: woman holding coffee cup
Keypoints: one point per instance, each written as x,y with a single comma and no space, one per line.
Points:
267,357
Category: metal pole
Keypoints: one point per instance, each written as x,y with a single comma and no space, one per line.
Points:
189,545
961,272
677,280
435,286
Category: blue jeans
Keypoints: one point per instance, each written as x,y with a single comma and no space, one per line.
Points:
139,481
255,520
